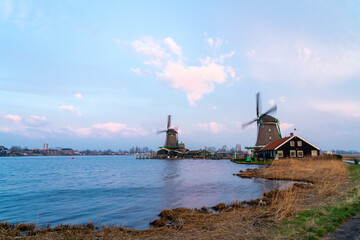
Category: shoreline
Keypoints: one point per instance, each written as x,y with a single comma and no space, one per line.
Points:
173,221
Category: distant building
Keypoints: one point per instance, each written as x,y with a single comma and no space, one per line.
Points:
46,146
202,153
171,153
288,147
3,151
66,151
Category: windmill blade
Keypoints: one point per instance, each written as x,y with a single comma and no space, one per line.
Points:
258,104
272,109
248,123
169,122
161,131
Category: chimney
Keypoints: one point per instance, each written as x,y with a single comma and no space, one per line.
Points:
291,134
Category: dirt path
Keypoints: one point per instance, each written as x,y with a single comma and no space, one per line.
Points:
348,231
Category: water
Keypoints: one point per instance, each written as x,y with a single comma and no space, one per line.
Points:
115,190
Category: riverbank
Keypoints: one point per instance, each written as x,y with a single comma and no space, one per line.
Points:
251,162
301,211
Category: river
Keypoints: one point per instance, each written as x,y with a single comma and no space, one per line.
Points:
117,190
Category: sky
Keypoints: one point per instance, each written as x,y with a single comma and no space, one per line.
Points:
105,74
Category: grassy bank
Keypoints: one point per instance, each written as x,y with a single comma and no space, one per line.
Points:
317,222
309,210
252,162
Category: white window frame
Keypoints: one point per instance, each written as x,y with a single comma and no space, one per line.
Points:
300,153
314,153
280,153
299,143
292,153
292,143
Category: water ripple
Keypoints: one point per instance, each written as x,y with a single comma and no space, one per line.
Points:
115,189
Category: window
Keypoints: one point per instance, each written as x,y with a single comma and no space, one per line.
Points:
292,143
292,153
299,143
314,153
280,153
300,153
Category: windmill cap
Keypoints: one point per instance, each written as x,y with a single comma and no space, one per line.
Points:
268,118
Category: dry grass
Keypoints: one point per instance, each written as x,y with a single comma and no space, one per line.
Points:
255,219
350,157
324,177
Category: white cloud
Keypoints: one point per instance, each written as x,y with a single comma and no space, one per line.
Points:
195,81
117,41
32,126
282,99
79,95
111,127
36,127
80,132
212,127
150,47
173,46
286,128
272,102
108,130
137,71
302,62
217,43
36,120
70,108
14,118
343,108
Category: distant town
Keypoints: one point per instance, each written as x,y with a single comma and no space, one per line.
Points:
17,151
61,151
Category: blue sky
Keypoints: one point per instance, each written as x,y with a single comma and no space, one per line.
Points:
105,74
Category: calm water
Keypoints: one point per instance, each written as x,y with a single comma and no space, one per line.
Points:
115,189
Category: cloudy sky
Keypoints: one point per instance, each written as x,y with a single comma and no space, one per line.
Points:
105,74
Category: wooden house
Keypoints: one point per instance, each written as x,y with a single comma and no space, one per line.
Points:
288,147
202,153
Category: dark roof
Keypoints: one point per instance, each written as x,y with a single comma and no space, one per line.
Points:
274,144
194,151
277,143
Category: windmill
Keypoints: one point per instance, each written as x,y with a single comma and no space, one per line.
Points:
268,126
171,135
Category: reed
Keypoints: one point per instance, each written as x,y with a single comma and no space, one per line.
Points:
323,175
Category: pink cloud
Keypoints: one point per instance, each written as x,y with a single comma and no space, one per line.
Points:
36,120
212,127
195,81
70,108
14,118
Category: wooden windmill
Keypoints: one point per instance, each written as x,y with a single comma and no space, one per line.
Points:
268,126
171,135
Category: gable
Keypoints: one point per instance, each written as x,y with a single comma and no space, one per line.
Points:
275,145
296,138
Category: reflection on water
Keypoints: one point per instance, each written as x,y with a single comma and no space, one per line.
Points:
115,189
